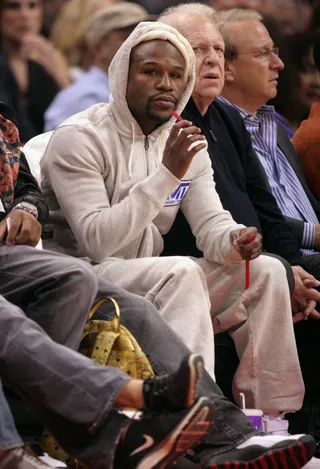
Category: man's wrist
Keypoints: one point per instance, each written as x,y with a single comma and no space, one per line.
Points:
27,207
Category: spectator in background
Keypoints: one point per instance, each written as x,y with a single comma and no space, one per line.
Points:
300,78
32,70
68,32
106,30
51,10
289,13
307,138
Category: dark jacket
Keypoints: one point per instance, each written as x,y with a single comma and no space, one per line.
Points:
26,188
240,183
285,145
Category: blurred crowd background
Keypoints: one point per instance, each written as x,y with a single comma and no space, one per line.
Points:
48,45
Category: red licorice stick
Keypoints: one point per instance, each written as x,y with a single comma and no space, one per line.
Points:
176,115
250,238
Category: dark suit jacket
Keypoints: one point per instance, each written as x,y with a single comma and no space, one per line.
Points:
240,183
288,150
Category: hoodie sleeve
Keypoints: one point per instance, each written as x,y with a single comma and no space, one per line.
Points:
210,223
76,175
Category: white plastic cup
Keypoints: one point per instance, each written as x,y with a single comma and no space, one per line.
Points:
255,417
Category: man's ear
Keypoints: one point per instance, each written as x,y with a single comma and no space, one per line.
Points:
229,72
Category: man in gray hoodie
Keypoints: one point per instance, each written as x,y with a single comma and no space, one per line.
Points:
114,177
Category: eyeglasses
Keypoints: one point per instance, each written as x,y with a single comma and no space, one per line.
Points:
17,5
262,54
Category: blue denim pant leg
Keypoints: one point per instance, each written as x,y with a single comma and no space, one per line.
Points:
9,437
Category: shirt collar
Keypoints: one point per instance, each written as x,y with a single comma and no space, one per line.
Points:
247,116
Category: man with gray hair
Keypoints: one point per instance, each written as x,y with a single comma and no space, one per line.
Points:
104,33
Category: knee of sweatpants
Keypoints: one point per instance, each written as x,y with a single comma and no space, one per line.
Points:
188,270
270,267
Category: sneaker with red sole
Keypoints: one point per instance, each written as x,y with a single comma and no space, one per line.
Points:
267,452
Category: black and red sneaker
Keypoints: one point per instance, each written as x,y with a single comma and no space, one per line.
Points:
177,391
157,441
267,452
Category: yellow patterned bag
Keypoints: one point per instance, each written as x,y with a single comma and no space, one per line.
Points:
109,344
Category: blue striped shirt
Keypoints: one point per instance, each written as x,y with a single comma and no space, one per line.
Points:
284,183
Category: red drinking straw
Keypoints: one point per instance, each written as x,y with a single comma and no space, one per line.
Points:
176,115
250,238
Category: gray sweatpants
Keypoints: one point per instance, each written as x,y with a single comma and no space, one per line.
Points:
67,391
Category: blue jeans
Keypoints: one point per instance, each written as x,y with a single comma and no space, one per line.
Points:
9,437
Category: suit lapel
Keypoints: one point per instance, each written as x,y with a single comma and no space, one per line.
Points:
289,152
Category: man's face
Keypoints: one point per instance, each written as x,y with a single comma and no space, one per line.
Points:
208,47
252,75
155,82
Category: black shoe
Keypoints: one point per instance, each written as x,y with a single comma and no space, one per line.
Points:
267,452
159,440
176,391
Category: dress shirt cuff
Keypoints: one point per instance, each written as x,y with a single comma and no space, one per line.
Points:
309,234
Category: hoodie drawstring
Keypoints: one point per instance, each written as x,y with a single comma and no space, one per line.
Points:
132,150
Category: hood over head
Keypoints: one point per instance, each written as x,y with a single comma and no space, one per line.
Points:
119,70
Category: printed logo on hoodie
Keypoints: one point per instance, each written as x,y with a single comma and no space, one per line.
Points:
178,194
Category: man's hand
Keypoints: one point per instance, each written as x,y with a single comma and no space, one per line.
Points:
20,227
247,250
177,156
304,297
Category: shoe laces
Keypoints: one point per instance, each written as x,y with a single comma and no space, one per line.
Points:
156,388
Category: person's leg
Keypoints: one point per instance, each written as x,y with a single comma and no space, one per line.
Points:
9,437
54,290
54,381
166,351
75,398
260,322
177,288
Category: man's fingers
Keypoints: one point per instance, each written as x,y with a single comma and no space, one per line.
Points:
196,149
313,295
309,308
3,229
314,314
192,139
311,283
24,236
243,237
187,133
13,229
178,126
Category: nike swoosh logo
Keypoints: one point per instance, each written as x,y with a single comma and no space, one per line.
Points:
149,442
